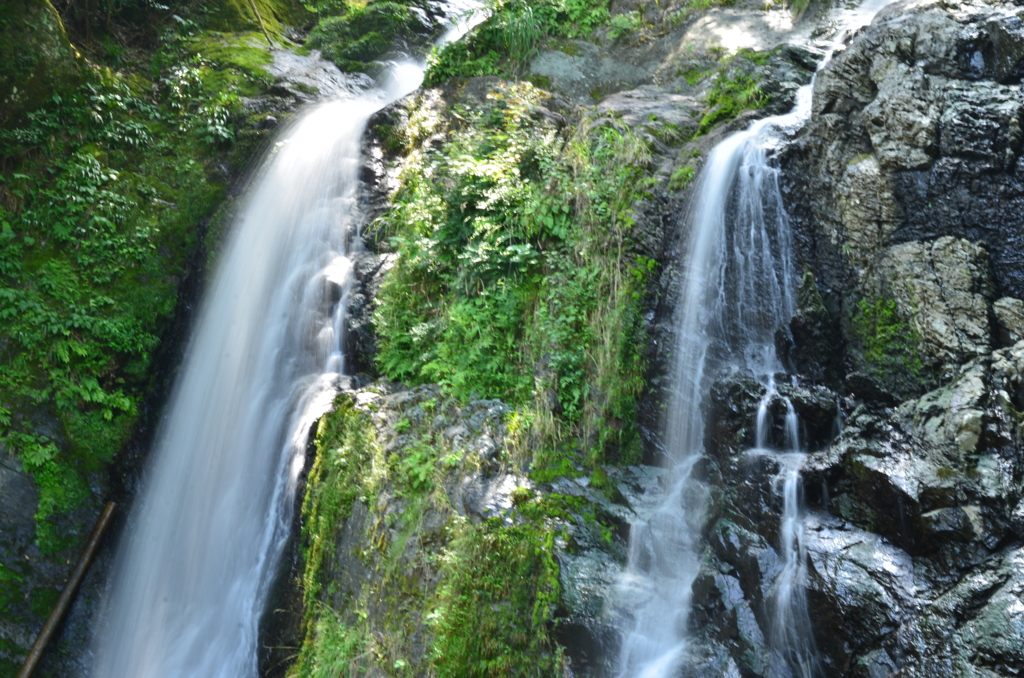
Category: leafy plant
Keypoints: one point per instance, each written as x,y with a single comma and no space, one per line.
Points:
734,89
625,24
104,190
511,278
890,344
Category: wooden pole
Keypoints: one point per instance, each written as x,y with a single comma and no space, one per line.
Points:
252,3
68,594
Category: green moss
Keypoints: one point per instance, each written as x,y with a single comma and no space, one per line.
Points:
889,345
540,81
232,15
681,177
245,52
11,658
10,593
342,473
468,599
36,58
730,95
499,590
808,297
42,600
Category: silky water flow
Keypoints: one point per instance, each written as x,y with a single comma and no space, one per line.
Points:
193,572
737,290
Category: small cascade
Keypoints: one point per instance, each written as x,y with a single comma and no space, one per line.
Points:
792,639
738,289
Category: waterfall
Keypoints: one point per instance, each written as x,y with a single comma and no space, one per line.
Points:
738,288
193,571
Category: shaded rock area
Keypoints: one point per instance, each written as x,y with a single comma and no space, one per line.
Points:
36,57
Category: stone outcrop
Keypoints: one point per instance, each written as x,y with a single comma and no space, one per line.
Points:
36,58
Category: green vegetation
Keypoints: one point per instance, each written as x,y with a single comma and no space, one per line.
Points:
354,39
464,599
734,89
889,344
625,24
515,277
503,43
101,192
499,587
681,177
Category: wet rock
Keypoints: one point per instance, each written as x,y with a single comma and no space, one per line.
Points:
941,286
805,54
1009,315
812,348
975,628
902,124
860,587
916,134
484,498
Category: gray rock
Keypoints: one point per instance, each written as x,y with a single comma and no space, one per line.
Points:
1009,314
940,286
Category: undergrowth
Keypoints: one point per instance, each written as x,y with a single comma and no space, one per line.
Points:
101,191
515,276
504,42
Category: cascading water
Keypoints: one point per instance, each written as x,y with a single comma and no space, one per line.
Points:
792,640
192,574
737,290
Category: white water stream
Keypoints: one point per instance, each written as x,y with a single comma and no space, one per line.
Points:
194,568
738,289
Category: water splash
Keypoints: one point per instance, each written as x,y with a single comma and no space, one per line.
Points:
738,289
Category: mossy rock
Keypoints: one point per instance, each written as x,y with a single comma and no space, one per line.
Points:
232,15
366,34
36,57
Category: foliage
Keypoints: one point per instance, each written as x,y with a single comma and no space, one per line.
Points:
343,472
889,343
625,24
681,177
499,588
735,89
459,599
514,278
363,34
333,649
100,194
503,43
